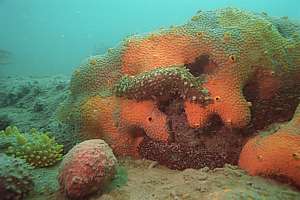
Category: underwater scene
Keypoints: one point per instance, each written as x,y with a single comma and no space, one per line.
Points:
149,100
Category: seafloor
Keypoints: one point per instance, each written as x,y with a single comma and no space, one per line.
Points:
31,102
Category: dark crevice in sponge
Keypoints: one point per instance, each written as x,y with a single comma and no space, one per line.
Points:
211,146
202,65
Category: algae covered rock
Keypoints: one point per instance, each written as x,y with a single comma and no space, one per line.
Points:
89,167
15,178
37,148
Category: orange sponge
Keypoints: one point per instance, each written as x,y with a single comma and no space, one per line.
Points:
229,48
158,50
143,115
275,155
225,88
123,123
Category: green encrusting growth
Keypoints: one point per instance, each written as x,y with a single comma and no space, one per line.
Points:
15,178
119,180
37,148
163,82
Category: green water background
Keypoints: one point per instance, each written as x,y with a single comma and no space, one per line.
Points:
53,37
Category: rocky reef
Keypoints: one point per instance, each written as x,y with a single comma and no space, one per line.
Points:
191,95
153,179
219,94
31,102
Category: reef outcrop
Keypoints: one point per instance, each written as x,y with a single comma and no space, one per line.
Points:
171,94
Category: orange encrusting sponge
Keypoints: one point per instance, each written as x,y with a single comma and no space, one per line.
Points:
160,50
98,122
277,154
228,102
122,123
144,115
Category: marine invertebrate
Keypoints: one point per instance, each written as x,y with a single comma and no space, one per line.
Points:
276,154
161,83
15,178
236,66
232,67
131,113
88,167
123,122
37,148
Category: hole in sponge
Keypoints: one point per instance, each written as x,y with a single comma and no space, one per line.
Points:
136,132
202,65
173,104
213,125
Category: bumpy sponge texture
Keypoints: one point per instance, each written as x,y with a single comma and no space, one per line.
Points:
237,42
120,122
277,154
223,36
97,75
239,46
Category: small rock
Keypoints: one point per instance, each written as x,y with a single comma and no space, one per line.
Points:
86,169
202,176
204,169
153,164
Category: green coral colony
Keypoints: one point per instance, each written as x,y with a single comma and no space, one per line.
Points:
15,178
37,148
